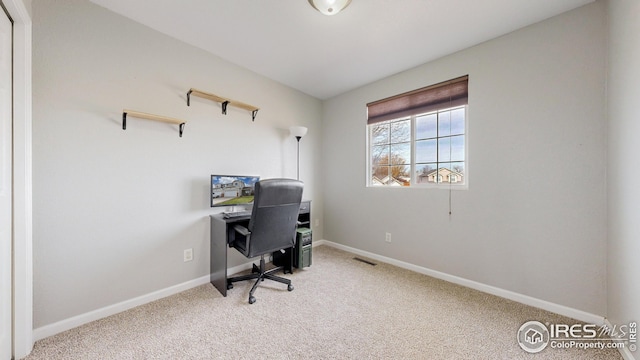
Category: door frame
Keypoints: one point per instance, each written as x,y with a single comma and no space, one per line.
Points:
22,180
6,188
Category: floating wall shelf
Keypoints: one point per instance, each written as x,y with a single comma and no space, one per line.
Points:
142,115
223,101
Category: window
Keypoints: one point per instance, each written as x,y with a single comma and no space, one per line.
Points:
419,138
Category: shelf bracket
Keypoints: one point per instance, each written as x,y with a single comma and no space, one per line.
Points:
224,107
189,97
253,115
147,116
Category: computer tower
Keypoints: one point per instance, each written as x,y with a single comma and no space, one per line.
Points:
302,251
284,258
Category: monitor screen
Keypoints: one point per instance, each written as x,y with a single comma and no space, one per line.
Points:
232,190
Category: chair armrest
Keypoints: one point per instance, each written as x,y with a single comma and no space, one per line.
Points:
241,242
242,230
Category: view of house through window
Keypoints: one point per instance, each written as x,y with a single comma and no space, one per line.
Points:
429,146
418,147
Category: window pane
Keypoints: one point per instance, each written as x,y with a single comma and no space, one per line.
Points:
444,172
400,175
423,171
457,148
380,155
457,121
444,123
380,133
379,175
444,149
401,131
451,148
400,153
458,172
426,151
426,126
451,172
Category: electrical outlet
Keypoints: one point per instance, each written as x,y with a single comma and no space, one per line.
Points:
188,255
317,222
387,237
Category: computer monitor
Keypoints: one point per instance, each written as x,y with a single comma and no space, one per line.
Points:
232,190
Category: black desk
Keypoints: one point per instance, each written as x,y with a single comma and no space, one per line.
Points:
222,234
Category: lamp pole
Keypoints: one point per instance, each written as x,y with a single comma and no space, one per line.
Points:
298,167
298,132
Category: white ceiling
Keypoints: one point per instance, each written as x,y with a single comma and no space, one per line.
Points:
323,56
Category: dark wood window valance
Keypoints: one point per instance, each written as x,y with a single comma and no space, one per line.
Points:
446,94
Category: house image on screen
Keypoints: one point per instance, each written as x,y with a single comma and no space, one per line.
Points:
231,190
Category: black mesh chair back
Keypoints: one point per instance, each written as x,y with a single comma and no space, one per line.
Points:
274,215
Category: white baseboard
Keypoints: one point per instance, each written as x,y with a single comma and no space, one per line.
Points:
70,323
523,299
320,242
73,322
67,324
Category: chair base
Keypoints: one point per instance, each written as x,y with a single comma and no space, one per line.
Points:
259,273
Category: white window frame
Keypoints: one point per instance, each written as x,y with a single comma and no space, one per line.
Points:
414,185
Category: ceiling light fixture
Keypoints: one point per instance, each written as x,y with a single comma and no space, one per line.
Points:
329,7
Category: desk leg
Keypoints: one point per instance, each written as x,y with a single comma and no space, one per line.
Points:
284,259
218,255
288,267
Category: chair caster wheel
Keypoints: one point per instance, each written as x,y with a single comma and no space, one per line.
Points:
229,286
290,287
252,299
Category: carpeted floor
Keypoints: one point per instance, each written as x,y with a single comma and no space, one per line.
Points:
340,309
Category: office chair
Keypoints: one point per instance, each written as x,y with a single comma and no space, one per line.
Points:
272,228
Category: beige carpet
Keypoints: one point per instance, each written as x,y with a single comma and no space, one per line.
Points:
340,309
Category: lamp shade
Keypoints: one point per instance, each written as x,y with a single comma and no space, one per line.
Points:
329,7
298,131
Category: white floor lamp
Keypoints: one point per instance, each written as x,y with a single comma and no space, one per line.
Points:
298,132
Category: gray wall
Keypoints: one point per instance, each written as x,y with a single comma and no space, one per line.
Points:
533,220
623,267
114,209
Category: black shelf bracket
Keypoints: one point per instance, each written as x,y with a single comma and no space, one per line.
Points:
224,107
189,98
253,115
